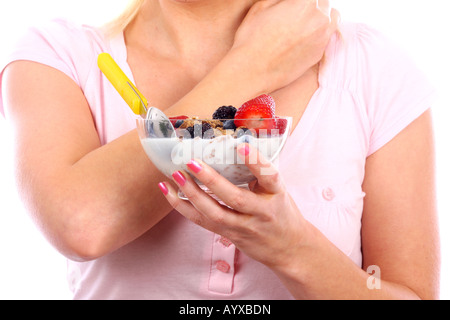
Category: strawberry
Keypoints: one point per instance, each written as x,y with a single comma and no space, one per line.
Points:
281,125
174,120
265,99
254,114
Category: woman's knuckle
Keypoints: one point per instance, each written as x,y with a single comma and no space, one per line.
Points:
271,179
198,220
239,201
252,231
176,203
275,177
218,219
210,180
190,194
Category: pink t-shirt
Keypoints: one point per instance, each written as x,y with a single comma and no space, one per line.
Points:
369,91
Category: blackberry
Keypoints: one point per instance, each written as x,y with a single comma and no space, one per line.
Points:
199,129
225,112
207,128
191,131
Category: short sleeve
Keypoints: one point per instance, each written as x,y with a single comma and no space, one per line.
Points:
394,90
59,44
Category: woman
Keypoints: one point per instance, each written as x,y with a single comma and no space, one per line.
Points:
354,192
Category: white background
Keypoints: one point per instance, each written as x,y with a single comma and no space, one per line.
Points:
31,269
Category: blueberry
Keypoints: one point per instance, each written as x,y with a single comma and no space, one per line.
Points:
229,124
178,123
243,131
245,138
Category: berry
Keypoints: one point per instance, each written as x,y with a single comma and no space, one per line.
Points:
178,124
281,125
174,120
243,132
191,131
256,114
225,112
265,99
205,127
207,131
229,124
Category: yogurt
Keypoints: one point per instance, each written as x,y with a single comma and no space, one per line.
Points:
173,154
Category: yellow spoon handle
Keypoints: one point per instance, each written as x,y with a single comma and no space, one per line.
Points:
122,84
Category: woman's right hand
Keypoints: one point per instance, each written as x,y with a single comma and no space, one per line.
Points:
281,39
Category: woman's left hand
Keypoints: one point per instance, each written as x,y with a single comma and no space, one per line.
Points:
264,223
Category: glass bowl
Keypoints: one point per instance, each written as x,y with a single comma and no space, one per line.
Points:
214,142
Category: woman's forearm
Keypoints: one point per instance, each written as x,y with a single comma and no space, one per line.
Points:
90,199
106,199
320,271
230,82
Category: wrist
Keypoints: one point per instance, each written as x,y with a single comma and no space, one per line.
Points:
303,258
238,77
232,81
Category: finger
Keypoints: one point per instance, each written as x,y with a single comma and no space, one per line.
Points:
265,172
266,3
262,5
239,199
185,208
209,211
324,6
335,17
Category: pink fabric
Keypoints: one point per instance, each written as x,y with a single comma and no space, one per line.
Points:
369,91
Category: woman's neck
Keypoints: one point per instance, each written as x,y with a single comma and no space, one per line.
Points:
187,29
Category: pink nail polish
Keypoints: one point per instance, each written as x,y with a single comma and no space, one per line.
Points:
194,166
245,151
163,188
179,178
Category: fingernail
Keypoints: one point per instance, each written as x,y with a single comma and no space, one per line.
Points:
163,188
194,166
245,151
179,178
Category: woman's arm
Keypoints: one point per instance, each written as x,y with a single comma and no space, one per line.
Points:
399,228
90,199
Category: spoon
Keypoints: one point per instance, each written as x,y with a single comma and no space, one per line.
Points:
134,98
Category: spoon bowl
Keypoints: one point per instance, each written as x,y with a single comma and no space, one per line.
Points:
160,125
